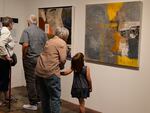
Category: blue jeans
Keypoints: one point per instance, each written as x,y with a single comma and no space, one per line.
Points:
50,92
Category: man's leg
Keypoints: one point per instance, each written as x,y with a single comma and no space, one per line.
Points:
54,93
44,95
30,82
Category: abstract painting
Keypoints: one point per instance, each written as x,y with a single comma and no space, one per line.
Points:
113,34
53,17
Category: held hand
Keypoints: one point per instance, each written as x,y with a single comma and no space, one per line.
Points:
61,66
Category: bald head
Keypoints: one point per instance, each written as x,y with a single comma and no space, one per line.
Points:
32,19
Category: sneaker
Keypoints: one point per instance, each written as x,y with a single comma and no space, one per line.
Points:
30,107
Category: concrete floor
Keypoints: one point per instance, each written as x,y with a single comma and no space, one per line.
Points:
21,96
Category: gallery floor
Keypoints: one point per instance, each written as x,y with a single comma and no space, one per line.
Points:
21,96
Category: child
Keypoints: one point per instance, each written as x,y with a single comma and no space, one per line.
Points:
82,84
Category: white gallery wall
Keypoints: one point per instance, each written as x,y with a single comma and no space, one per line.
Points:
115,90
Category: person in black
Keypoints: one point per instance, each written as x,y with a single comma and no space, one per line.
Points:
7,45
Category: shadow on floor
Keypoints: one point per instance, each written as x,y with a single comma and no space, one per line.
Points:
20,94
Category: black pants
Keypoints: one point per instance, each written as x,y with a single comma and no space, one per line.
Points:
4,74
31,83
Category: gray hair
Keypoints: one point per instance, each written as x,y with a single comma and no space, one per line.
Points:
32,19
62,33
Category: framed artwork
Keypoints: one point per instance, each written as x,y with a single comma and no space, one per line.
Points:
113,34
52,17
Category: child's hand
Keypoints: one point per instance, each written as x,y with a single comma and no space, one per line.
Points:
66,72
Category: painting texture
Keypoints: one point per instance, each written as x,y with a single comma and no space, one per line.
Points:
53,17
113,33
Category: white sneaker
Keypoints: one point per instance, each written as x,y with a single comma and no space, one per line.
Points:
39,102
30,107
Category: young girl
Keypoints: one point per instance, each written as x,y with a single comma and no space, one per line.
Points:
82,84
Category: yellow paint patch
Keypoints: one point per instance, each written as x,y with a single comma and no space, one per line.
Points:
112,10
125,61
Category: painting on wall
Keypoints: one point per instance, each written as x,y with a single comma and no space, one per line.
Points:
52,17
113,33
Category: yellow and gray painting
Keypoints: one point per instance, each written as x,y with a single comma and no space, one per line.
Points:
113,33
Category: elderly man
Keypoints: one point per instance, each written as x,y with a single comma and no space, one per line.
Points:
51,60
32,40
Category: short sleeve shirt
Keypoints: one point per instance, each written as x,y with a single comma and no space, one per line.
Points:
36,38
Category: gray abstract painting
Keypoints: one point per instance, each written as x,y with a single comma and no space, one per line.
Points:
113,33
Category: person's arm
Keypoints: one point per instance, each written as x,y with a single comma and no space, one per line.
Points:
66,72
24,42
3,42
24,49
88,76
62,55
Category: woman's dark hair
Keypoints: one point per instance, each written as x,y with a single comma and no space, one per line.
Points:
77,62
6,21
